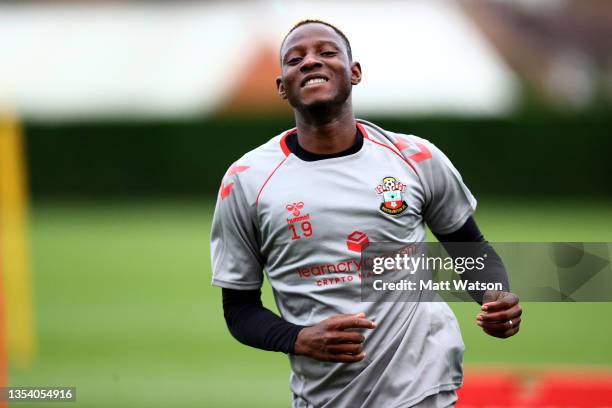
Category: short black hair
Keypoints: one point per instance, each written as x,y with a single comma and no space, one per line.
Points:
333,27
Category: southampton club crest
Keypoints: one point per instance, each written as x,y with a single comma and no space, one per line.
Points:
391,190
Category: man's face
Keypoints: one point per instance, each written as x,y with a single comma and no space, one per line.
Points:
316,70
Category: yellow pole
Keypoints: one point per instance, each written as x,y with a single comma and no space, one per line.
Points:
3,351
14,256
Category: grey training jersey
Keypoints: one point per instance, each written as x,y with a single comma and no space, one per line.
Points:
305,223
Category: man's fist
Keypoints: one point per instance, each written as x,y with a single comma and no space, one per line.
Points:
500,315
330,340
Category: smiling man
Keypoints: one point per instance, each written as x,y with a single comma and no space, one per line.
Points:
304,205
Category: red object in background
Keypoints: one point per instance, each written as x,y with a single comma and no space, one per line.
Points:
525,389
489,390
357,241
576,390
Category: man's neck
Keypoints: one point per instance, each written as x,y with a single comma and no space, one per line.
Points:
326,134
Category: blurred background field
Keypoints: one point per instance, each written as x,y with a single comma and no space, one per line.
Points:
127,114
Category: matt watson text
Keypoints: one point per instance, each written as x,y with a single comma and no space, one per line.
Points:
406,285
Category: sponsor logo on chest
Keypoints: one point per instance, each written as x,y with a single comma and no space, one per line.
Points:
295,213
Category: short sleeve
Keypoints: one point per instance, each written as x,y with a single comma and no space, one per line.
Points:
448,202
235,250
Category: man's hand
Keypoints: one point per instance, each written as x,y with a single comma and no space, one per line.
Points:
501,314
329,340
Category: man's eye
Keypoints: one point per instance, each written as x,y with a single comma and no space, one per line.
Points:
294,61
328,53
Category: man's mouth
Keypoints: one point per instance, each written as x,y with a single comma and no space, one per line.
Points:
314,81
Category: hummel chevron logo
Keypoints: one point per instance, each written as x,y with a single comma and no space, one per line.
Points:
226,190
236,169
423,153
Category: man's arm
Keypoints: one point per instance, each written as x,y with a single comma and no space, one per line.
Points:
501,312
468,241
254,325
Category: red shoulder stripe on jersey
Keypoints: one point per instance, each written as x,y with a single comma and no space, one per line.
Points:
283,142
363,131
365,135
268,179
398,154
401,145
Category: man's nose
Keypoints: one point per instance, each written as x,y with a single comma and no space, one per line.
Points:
310,61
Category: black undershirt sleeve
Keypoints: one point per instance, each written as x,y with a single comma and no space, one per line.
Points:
254,325
494,270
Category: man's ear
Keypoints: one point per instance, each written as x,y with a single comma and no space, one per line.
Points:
355,73
281,88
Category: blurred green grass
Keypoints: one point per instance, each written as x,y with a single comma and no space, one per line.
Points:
125,311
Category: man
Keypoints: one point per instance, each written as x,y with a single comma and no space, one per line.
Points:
290,206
